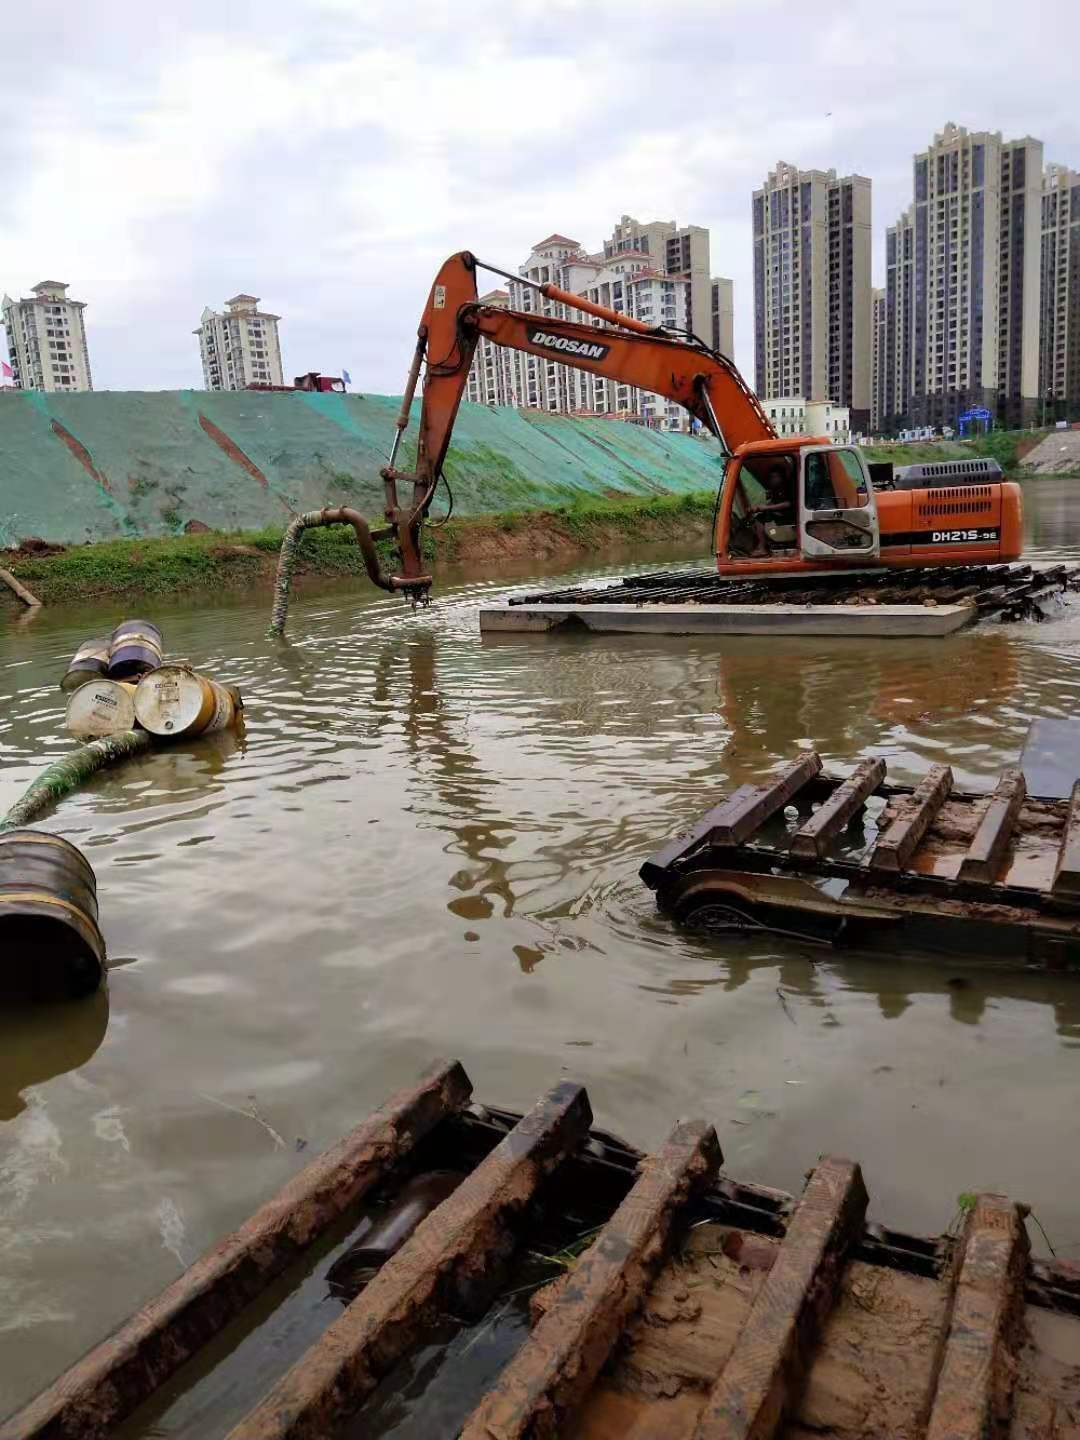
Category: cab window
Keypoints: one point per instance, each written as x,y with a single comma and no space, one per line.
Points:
762,480
834,480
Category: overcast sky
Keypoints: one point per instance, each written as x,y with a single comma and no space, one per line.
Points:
327,155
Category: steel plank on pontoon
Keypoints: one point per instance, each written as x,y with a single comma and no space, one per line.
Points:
978,1362
1067,871
991,839
814,834
762,1378
736,818
902,838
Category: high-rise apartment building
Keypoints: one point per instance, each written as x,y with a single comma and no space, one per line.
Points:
899,320
812,322
971,336
1059,305
240,346
654,272
1019,256
46,339
491,377
722,328
878,353
672,251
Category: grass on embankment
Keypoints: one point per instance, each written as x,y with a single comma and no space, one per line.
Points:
1005,446
204,563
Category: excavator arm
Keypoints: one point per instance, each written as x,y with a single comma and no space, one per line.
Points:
622,349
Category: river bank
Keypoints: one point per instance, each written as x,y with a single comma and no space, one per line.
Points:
213,561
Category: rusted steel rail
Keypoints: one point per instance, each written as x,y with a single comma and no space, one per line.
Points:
855,859
696,1306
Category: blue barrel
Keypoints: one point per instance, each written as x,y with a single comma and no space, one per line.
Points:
134,650
50,944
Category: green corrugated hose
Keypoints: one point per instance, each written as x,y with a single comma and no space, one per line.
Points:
65,775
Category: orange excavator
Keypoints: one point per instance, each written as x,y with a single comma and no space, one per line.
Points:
785,505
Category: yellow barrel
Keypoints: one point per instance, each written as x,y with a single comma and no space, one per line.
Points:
101,707
134,649
50,944
174,701
90,662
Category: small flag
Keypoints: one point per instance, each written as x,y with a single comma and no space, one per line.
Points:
6,370
346,377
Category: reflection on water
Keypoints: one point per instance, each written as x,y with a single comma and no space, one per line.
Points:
428,844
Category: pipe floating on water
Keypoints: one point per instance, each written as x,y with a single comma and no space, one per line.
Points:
65,775
311,519
50,944
381,1237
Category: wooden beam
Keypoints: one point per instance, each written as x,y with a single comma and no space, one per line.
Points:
451,1262
18,588
762,1380
736,818
813,836
902,838
90,1399
973,1396
1067,871
984,854
538,1392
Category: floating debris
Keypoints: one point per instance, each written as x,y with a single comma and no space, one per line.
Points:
50,944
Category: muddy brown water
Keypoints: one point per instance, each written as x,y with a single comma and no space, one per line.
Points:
427,844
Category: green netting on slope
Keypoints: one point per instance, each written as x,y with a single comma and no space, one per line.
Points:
90,467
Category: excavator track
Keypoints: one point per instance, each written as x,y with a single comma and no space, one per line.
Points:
921,601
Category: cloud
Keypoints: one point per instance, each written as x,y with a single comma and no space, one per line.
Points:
327,155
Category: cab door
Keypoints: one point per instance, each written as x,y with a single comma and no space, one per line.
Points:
837,513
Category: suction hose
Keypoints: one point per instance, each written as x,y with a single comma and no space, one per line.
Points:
332,515
67,774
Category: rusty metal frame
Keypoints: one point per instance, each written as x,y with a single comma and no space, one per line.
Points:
115,1377
976,1367
762,1378
555,1368
451,1262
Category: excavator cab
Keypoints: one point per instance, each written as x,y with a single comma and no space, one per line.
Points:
794,505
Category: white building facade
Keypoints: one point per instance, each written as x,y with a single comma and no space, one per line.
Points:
46,340
793,415
240,346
